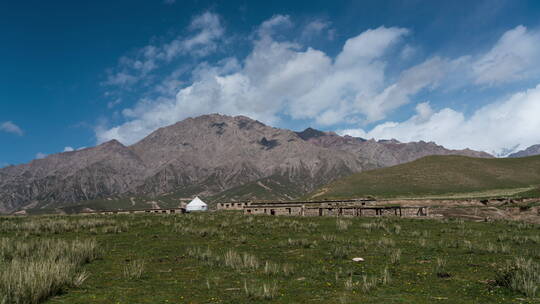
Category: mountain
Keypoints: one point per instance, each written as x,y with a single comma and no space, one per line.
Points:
530,151
382,153
212,155
437,175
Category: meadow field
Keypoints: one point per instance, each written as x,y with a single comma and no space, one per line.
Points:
226,257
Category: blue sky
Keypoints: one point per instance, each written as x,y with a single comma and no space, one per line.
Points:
460,73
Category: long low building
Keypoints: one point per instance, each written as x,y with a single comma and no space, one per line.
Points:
233,205
139,211
241,205
363,207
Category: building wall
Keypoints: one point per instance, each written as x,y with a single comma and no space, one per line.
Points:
146,211
334,211
232,205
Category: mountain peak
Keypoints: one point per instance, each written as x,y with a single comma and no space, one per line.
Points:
113,143
530,151
310,133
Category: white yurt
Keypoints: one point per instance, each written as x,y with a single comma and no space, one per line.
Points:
196,205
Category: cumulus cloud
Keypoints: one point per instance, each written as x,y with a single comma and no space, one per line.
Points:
10,127
317,28
205,31
283,78
509,124
68,149
269,26
510,59
275,77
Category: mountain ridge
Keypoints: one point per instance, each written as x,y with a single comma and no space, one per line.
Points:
530,151
204,155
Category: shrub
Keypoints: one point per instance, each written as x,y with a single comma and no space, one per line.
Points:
440,268
264,291
37,269
395,256
134,270
340,252
521,275
342,225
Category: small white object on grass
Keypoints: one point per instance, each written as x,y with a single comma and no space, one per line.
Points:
358,259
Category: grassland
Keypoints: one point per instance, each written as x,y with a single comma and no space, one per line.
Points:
225,257
442,176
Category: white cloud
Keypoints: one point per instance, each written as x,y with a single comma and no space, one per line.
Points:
269,26
205,31
369,45
275,77
68,149
407,52
494,128
409,83
283,78
40,155
113,103
10,127
317,28
510,59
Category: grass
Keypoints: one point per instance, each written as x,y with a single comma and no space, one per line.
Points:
34,269
521,275
230,258
534,192
442,177
134,270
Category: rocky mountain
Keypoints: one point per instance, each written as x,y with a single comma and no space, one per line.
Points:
211,155
530,151
382,153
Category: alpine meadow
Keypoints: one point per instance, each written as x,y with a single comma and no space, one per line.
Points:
230,152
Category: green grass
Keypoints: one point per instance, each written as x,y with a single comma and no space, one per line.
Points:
534,192
441,176
227,257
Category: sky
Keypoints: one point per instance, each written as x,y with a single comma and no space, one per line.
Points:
464,74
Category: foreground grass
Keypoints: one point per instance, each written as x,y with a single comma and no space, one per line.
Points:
231,258
33,269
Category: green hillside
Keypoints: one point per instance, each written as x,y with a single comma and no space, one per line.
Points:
440,175
275,187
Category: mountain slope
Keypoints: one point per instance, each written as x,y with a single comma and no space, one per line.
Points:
105,170
434,175
383,153
530,151
211,155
